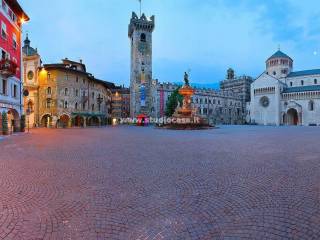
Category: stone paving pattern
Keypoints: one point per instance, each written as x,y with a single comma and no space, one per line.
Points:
145,183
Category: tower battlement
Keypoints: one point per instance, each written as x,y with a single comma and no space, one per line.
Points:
142,23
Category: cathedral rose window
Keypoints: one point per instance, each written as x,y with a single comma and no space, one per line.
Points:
264,101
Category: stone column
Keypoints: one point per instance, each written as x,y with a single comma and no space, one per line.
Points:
277,99
84,122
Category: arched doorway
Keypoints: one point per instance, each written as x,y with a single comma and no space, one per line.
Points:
292,117
13,120
94,121
46,121
63,121
78,121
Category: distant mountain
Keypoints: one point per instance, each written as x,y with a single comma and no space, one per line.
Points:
203,85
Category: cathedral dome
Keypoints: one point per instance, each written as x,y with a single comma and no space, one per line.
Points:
279,54
279,65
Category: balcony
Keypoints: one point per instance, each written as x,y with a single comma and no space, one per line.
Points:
8,68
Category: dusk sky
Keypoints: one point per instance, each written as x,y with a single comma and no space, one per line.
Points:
206,36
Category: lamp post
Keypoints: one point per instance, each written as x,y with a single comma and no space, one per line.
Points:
100,100
28,117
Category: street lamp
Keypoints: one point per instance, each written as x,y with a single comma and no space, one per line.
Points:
28,112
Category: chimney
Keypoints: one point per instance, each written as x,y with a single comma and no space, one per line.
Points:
81,61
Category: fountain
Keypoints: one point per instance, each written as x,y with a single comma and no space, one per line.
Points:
185,117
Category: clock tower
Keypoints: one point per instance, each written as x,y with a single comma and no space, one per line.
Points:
31,64
140,34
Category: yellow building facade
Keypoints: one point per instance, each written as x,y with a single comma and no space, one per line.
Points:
63,94
69,96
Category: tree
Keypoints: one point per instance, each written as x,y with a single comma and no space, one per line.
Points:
172,103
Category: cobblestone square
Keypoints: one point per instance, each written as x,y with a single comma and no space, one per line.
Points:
237,182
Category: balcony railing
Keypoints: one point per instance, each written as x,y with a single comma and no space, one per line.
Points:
8,68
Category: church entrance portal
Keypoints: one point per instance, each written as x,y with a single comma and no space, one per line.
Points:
292,117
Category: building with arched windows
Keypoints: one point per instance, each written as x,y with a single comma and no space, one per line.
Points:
63,94
281,96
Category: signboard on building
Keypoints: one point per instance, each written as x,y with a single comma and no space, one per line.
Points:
143,96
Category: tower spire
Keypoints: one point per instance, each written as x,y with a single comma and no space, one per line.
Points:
140,1
27,41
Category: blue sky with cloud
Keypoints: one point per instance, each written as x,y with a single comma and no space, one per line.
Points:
206,36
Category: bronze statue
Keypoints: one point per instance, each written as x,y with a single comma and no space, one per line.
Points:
186,79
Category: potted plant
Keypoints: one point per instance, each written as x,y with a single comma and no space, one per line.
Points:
5,129
23,123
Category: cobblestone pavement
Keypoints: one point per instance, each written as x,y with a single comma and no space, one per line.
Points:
145,183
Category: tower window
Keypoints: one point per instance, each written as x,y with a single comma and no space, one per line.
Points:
302,82
291,84
274,73
143,37
315,81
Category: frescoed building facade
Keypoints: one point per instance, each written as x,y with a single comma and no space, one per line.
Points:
120,102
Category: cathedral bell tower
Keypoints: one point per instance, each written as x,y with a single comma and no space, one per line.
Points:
140,34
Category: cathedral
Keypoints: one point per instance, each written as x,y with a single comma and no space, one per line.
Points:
280,96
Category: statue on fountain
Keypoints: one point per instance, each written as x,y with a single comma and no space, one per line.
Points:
185,114
186,79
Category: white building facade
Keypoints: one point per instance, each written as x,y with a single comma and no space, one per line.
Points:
219,107
280,96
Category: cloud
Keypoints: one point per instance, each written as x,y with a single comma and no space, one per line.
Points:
207,36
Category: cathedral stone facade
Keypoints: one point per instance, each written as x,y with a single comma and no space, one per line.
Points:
280,96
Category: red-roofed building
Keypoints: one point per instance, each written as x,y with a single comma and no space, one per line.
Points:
12,17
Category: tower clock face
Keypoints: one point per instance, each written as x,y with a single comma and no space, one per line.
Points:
30,75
